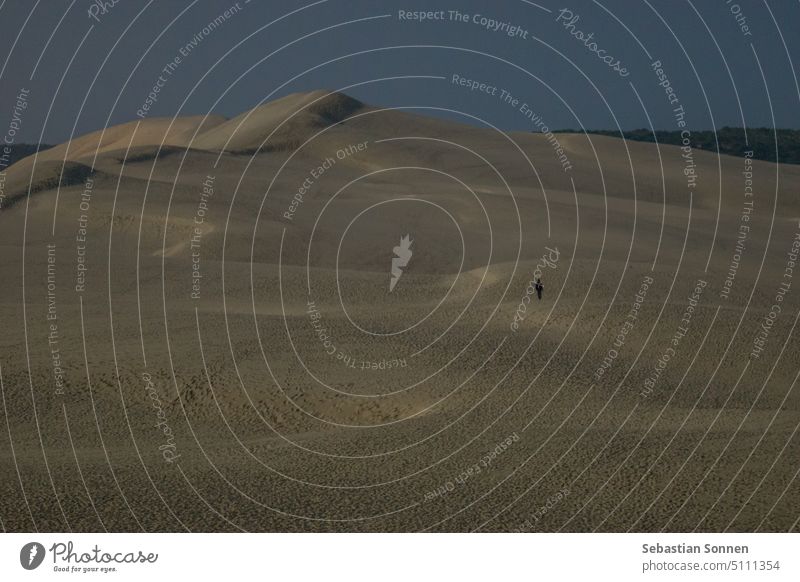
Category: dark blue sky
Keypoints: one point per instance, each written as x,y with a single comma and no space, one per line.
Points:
90,73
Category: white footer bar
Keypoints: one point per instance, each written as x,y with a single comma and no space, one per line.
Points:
399,557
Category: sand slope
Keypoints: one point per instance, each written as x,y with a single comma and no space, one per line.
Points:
196,391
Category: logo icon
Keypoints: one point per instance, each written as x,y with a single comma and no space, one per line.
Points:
402,256
31,555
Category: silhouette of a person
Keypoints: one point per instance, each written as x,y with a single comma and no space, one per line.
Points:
539,288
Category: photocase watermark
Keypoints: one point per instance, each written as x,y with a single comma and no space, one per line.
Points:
169,450
100,8
769,320
549,260
679,114
15,125
474,85
316,173
744,227
402,255
665,83
627,326
741,19
421,15
543,128
183,52
529,524
486,22
507,98
315,316
196,237
53,337
680,332
485,462
381,365
568,19
31,555
66,558
81,267
9,139
491,24
152,97
342,356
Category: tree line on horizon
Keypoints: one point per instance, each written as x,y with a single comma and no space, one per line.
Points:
731,140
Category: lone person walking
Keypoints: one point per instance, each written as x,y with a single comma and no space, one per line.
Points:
539,288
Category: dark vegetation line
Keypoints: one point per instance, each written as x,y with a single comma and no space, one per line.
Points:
19,151
731,141
761,140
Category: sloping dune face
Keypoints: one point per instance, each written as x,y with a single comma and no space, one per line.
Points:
282,124
148,132
323,315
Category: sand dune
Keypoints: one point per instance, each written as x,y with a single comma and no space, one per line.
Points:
209,268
